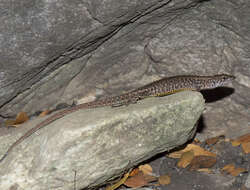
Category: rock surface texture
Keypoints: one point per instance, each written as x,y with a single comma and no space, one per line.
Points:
54,52
100,143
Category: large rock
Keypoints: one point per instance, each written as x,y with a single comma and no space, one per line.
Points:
98,143
40,39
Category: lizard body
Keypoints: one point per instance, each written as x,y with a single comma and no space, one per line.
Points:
161,87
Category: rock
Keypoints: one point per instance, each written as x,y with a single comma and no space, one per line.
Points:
40,39
99,144
56,52
247,183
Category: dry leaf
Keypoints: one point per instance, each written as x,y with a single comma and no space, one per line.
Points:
146,169
235,143
246,147
214,140
196,141
185,159
164,180
139,180
242,139
150,178
20,118
134,172
202,162
197,151
44,113
238,171
119,183
206,170
175,154
230,168
9,122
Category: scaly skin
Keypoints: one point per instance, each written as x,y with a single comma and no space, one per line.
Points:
161,87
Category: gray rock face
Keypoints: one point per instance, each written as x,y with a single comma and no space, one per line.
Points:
40,37
57,51
54,52
99,143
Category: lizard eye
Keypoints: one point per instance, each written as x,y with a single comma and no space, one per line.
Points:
224,77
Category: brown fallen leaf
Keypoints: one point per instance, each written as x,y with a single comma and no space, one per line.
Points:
164,180
9,122
246,147
242,139
20,118
230,168
134,172
146,169
196,141
185,159
202,162
119,183
214,140
238,171
235,143
175,154
44,113
139,180
197,151
206,170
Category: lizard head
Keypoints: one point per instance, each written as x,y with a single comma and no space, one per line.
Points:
210,82
223,79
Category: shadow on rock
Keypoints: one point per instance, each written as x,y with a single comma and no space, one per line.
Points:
217,94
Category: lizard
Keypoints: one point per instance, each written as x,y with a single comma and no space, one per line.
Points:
162,87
